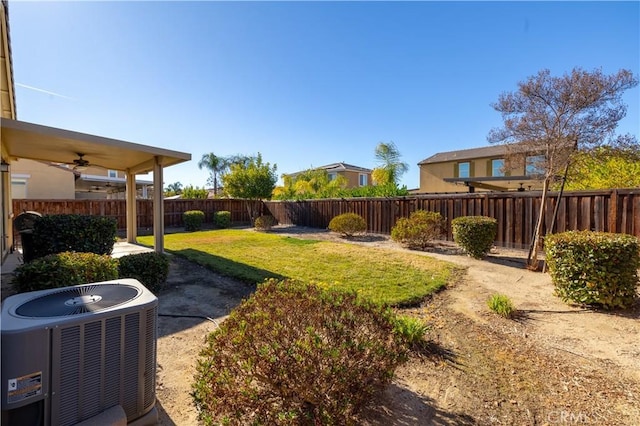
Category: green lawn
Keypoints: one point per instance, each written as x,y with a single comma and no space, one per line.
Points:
397,278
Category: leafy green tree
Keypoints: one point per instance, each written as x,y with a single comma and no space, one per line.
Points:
216,166
173,189
252,181
557,116
390,166
605,167
191,192
309,184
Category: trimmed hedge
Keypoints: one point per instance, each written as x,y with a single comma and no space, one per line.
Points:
222,219
265,222
151,269
71,232
64,269
419,229
348,224
294,353
594,268
475,234
193,220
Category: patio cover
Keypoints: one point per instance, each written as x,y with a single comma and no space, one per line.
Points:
498,183
36,142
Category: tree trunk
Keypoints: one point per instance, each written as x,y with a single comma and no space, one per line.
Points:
252,210
532,261
249,212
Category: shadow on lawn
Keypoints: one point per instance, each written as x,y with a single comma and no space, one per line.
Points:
221,265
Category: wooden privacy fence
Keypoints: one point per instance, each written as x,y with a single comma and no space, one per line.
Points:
516,212
173,209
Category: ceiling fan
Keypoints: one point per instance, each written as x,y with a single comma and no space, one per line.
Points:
80,163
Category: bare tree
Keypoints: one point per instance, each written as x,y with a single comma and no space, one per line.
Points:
553,117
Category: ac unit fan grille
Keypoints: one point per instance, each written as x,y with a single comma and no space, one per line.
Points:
78,300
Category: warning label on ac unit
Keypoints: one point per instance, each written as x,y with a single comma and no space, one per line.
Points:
24,387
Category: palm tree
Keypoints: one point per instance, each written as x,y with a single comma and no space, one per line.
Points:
175,188
388,158
216,166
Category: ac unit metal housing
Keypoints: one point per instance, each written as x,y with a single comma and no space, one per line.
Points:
69,354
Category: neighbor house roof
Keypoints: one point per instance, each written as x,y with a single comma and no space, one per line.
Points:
466,154
344,167
336,167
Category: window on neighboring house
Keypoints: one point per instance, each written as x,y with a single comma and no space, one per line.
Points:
535,165
332,176
112,173
464,170
497,167
363,179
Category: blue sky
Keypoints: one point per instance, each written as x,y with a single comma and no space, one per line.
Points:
304,83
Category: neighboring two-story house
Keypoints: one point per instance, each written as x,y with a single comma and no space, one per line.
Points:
478,169
355,176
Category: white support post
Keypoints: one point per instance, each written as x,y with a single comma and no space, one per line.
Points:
158,206
132,220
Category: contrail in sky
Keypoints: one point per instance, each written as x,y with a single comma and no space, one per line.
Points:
43,91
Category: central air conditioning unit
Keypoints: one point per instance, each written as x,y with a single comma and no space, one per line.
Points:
74,354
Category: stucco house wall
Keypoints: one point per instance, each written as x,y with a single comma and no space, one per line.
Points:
38,181
353,178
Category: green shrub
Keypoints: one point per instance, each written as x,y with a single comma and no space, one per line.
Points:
64,269
71,232
151,269
501,305
265,222
192,220
222,219
594,268
475,234
412,331
419,229
348,224
294,353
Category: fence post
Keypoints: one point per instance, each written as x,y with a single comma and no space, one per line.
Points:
613,212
